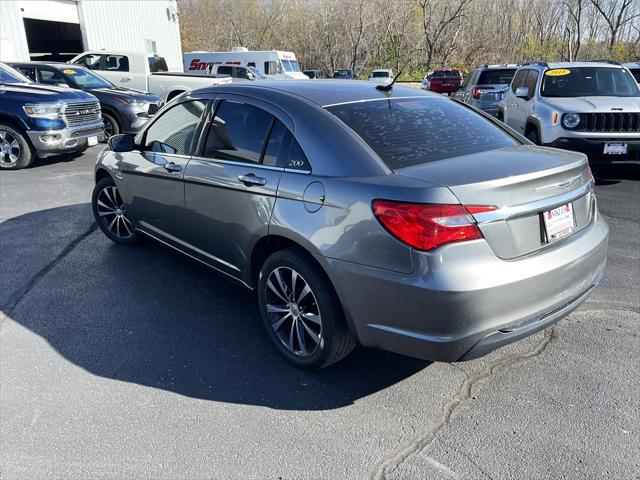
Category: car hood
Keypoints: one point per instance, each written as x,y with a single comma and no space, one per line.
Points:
596,104
32,92
124,93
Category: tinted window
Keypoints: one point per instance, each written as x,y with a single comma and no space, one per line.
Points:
530,82
496,76
51,77
237,132
589,82
90,61
278,146
283,150
225,70
118,63
636,73
518,80
29,72
176,127
406,132
157,64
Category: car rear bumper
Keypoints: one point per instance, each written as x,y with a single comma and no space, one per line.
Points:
462,301
70,139
594,147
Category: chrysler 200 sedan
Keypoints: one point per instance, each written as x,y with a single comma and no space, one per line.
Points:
401,220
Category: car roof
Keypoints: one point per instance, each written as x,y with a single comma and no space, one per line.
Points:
575,65
48,64
325,93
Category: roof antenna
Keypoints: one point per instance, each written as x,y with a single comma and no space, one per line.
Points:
388,86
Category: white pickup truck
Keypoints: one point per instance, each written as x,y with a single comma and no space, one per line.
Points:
145,72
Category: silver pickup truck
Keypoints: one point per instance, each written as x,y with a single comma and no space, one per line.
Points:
591,107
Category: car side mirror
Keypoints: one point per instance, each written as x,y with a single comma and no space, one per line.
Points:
121,143
522,92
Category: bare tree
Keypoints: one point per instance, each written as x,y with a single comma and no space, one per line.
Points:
616,14
573,28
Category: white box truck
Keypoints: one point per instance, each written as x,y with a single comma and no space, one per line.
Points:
275,64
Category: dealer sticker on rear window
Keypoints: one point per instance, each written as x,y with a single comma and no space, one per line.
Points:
557,72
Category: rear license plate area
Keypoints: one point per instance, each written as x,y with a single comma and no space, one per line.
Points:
559,222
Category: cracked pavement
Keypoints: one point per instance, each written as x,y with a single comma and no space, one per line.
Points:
120,362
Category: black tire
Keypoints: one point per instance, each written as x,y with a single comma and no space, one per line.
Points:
16,151
532,135
110,213
335,341
111,125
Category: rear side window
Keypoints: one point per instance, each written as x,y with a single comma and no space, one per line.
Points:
407,132
237,132
636,73
225,70
496,76
157,64
117,63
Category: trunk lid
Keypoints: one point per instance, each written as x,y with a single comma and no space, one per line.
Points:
522,182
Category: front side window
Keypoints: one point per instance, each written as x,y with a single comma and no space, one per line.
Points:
90,61
29,72
237,132
116,63
413,131
589,82
518,80
272,68
530,82
174,130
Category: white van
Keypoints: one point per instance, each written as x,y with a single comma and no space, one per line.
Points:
275,64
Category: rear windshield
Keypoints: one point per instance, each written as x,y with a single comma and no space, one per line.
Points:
413,131
589,82
446,73
380,75
501,76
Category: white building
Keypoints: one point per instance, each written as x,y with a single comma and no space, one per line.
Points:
60,29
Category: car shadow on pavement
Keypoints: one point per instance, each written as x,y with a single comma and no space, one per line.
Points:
610,174
150,316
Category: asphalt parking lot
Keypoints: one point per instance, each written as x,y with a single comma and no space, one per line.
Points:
134,362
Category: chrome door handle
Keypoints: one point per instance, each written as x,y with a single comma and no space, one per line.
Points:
126,79
172,167
250,179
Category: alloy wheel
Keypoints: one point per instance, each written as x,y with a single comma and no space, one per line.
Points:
108,127
10,149
293,311
113,214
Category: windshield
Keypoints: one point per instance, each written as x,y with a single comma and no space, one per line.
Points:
589,82
11,75
412,131
380,75
501,76
85,79
290,65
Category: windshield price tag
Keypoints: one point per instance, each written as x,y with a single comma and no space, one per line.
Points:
559,222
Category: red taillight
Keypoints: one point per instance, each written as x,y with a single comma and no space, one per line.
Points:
426,226
475,93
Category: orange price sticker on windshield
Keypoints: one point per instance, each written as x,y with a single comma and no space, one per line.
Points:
68,71
558,72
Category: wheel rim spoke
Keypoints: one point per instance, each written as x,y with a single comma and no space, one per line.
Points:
312,334
299,329
109,203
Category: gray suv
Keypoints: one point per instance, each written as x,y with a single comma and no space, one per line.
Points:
486,87
591,107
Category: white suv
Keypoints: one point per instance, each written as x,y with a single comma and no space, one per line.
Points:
592,107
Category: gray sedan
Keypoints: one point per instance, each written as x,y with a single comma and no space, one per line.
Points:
401,220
